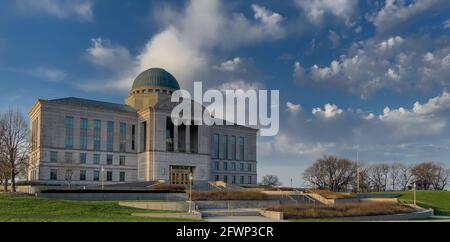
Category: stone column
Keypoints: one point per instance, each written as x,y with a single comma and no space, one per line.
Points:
188,138
175,138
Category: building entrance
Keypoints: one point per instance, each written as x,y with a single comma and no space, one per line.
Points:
179,175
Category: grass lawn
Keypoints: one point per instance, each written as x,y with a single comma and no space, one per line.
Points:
20,208
439,201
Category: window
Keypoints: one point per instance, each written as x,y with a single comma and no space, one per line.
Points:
242,180
122,160
83,133
109,160
123,137
233,148
225,166
83,158
53,174
217,178
217,165
241,148
225,147
225,179
110,136
69,132
250,180
96,175
122,176
216,145
234,180
97,134
109,176
133,137
233,166
82,175
69,157
242,166
53,156
96,159
249,167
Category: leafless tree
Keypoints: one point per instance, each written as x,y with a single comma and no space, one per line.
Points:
14,143
378,175
331,173
405,176
68,177
271,180
441,175
425,174
394,175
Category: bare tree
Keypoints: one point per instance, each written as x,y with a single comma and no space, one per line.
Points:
441,177
394,175
425,174
271,180
14,143
331,173
378,175
405,176
68,177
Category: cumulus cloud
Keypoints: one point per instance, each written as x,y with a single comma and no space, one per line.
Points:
395,63
184,47
293,108
446,24
106,55
396,13
334,38
64,9
230,65
316,10
330,111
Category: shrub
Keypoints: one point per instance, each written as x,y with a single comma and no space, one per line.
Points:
330,194
293,211
168,187
222,196
110,191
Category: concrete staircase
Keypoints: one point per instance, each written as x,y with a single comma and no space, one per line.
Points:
222,186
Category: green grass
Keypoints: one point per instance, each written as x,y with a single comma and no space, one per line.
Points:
20,208
437,200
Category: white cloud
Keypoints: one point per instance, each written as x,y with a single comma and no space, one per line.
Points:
446,24
330,111
185,45
317,9
293,108
49,74
335,39
240,85
396,64
64,9
230,65
102,53
395,13
299,72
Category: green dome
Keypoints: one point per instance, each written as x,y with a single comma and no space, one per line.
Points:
156,77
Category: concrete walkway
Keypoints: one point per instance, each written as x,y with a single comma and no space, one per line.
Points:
238,219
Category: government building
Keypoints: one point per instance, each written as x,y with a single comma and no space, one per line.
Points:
87,142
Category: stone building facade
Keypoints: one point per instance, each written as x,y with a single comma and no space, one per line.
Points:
87,142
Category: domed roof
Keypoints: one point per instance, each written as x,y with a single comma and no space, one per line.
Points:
156,77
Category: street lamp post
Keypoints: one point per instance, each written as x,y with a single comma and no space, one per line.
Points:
190,192
415,187
103,178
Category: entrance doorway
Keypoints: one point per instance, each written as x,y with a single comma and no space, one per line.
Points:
179,175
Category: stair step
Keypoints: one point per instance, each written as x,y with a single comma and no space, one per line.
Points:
229,212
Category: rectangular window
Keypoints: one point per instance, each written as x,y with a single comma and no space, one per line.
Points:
82,175
242,180
241,148
217,165
97,134
122,160
109,176
54,157
122,176
225,147
83,158
250,180
242,166
96,159
69,157
123,137
133,137
109,160
83,133
249,167
96,175
225,179
69,132
217,178
234,180
53,174
110,136
233,148
225,166
216,145
233,166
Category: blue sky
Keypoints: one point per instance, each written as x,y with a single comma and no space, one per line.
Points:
338,64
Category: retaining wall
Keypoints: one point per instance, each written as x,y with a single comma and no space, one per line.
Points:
234,204
116,196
